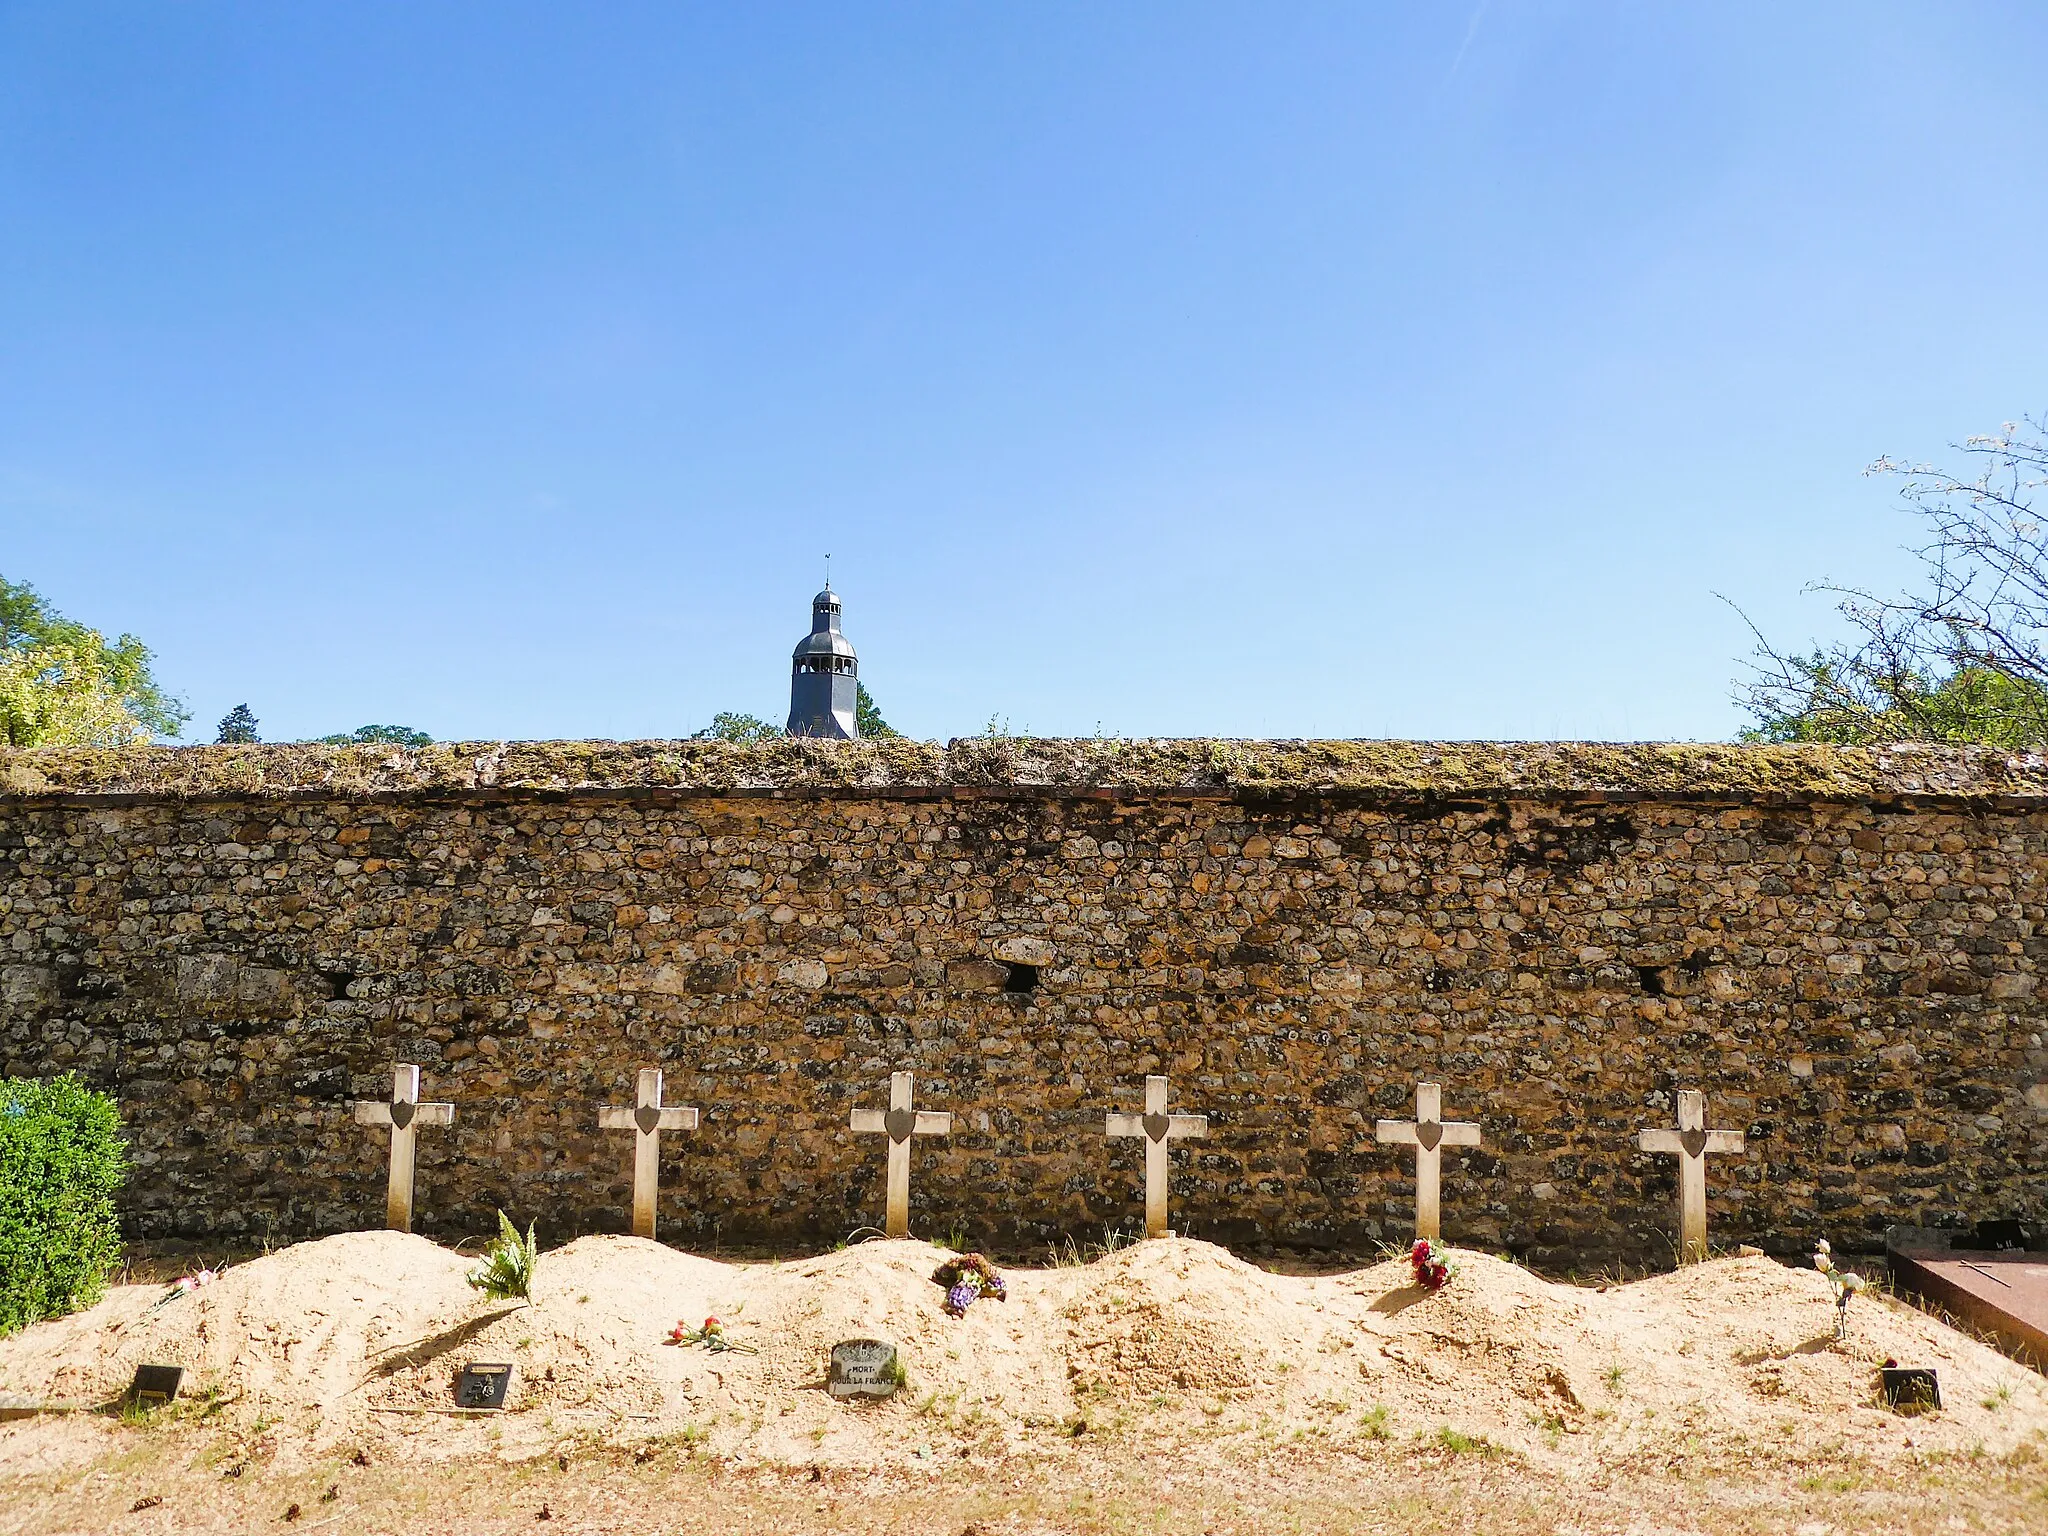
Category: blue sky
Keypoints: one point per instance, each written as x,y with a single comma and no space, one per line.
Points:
1355,370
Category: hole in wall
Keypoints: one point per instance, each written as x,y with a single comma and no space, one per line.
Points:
1022,978
1652,978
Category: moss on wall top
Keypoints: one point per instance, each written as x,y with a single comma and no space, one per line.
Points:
1392,769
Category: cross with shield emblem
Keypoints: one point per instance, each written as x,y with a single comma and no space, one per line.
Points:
1429,1133
900,1122
1158,1128
648,1120
405,1114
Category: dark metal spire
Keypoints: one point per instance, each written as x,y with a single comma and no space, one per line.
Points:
824,674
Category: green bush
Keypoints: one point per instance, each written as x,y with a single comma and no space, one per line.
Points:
62,1160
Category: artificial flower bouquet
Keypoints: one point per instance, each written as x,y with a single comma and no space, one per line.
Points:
1433,1270
966,1278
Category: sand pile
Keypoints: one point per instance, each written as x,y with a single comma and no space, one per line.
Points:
355,1340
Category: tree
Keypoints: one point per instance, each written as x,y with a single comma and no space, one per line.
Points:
726,726
867,716
1966,659
367,735
238,727
62,684
59,695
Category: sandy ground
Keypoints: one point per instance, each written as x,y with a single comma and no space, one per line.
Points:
1167,1362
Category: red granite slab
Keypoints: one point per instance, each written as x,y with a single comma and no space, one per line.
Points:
2004,1293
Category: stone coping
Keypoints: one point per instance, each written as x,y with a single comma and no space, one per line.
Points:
1028,767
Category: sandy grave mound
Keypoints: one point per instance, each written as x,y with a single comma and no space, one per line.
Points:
355,1340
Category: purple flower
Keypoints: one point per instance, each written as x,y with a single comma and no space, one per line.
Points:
960,1297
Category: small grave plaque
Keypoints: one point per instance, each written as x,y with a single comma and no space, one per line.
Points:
2000,1236
483,1386
155,1383
864,1368
1911,1389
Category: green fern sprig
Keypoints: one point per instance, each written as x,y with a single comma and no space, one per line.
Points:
507,1269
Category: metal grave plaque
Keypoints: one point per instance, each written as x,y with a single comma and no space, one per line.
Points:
483,1386
1911,1389
155,1383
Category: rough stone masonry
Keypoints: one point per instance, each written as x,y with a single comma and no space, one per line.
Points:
1841,948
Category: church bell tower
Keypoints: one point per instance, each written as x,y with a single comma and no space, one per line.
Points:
824,676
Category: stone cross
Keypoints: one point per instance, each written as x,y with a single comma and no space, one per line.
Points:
1158,1128
649,1120
901,1122
1692,1141
405,1114
1429,1133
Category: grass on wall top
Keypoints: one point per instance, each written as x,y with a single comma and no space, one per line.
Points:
1685,771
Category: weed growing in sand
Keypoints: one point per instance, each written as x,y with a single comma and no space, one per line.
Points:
1998,1399
1461,1444
198,1407
1614,1378
1113,1238
1072,1255
1374,1423
507,1270
1835,1482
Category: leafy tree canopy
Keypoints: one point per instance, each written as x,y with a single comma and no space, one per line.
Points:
726,726
365,735
868,716
62,684
1964,659
238,726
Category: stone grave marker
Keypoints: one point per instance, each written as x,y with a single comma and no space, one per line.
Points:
647,1120
1158,1128
1429,1133
901,1122
864,1368
405,1114
1691,1142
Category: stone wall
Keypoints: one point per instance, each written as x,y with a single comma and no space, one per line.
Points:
1840,948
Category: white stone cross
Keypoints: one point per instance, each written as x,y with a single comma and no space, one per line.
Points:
649,1119
1692,1141
1429,1133
1158,1128
900,1122
405,1114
